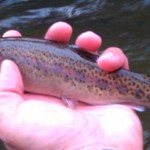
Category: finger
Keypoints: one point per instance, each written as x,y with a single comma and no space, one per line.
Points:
112,59
12,33
60,32
10,78
89,41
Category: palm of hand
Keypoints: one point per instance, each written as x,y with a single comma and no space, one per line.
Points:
37,122
46,121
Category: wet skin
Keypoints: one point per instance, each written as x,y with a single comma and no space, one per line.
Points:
30,121
71,73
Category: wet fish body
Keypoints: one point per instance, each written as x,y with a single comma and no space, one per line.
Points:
62,70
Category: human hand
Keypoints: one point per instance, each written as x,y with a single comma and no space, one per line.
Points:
37,122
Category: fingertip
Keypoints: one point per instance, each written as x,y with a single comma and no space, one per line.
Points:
107,62
112,59
12,33
89,41
10,78
59,31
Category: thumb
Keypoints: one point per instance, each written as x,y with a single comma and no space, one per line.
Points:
11,89
10,78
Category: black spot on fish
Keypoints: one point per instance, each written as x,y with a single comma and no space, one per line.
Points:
89,87
139,93
114,77
80,76
147,89
38,65
73,84
137,86
100,94
125,79
45,72
56,69
66,78
109,77
148,97
133,83
147,77
1,57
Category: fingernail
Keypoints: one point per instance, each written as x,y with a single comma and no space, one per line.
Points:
106,56
12,33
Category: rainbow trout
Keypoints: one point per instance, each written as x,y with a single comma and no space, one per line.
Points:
62,70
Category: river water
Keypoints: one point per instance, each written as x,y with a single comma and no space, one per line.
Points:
125,24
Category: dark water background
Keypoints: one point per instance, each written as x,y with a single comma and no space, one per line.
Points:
125,24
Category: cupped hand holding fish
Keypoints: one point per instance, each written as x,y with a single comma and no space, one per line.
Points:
37,122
